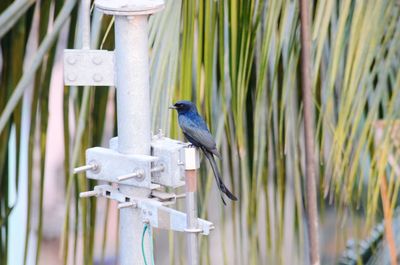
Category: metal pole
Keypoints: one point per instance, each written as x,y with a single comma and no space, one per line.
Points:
85,18
191,166
312,207
133,112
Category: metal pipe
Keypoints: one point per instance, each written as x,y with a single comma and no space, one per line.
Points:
191,162
133,94
133,109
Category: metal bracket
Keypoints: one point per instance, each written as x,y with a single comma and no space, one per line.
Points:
152,212
129,8
166,218
108,192
170,156
113,166
88,67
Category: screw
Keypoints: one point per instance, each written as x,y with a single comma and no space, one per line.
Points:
89,193
159,168
91,166
138,174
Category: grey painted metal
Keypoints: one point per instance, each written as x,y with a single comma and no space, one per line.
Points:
129,7
133,110
133,93
192,158
192,163
171,156
112,166
163,217
88,67
169,169
192,229
151,211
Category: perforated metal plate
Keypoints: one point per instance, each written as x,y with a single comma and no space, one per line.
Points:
89,68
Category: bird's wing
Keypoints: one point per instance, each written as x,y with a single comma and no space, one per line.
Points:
201,135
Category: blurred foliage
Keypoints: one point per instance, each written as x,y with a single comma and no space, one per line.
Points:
239,61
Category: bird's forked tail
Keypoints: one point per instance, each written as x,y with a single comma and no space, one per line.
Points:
218,178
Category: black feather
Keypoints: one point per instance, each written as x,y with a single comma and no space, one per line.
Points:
196,131
218,178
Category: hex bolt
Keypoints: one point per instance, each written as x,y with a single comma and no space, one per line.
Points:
71,77
180,196
138,174
97,60
159,168
126,205
97,77
71,60
90,193
90,166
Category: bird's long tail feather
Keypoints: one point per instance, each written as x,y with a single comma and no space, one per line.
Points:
218,178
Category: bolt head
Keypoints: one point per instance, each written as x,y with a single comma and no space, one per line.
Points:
97,77
71,60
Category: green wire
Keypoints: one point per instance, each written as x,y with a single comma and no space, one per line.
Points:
147,227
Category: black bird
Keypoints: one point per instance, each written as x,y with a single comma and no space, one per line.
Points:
196,132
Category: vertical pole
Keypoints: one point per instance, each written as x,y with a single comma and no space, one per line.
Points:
133,114
85,18
191,166
312,207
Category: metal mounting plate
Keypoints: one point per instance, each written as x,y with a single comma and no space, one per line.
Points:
153,212
171,154
88,67
166,218
129,7
112,164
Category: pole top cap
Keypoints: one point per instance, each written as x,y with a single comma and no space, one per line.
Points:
129,7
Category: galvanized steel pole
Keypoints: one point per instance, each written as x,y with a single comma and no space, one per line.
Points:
133,113
133,108
191,166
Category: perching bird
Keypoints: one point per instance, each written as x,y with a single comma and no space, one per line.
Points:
196,132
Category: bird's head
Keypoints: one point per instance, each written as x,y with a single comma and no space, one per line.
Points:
184,106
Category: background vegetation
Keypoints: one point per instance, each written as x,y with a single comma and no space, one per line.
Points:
239,61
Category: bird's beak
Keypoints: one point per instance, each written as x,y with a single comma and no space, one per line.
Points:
172,107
